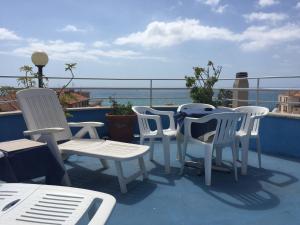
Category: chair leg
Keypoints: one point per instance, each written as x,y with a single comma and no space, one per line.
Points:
66,180
179,150
234,161
258,148
143,167
151,149
183,153
121,178
142,140
166,146
104,163
208,164
237,146
245,147
218,156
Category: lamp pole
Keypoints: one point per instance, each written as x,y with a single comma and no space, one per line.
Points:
40,76
40,59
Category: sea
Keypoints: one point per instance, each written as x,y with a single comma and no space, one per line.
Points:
268,98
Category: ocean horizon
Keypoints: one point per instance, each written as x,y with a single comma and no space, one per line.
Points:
170,97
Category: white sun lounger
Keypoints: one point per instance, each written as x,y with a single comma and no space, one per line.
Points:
29,204
46,122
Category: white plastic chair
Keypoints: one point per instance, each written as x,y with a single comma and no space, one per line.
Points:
31,204
187,106
46,122
199,106
144,118
250,129
224,136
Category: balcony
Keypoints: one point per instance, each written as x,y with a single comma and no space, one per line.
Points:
264,196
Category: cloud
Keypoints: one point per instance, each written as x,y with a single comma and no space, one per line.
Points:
165,34
66,51
267,17
100,44
162,34
220,9
266,3
215,5
71,28
7,35
259,37
298,5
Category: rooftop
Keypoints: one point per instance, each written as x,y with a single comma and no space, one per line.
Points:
265,196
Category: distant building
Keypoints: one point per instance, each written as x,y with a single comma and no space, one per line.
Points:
8,103
71,99
289,102
75,99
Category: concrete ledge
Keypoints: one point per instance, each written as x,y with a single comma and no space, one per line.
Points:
285,115
18,112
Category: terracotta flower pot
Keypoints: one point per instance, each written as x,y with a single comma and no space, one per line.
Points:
120,127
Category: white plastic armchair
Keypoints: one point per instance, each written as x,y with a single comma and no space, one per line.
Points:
187,106
194,106
249,128
29,204
145,115
224,137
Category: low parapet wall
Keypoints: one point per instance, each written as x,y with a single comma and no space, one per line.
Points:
280,133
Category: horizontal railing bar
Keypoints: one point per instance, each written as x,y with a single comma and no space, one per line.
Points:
168,88
147,79
170,98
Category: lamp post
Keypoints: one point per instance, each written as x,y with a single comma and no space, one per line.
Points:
40,59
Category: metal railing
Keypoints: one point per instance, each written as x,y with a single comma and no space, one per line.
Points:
148,86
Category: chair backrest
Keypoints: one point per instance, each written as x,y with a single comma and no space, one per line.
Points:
251,111
194,106
226,126
41,109
143,122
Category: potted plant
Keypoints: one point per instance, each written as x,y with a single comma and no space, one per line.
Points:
121,121
202,82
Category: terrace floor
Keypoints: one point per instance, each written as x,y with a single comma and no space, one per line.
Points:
265,196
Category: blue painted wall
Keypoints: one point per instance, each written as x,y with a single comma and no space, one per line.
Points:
11,127
279,135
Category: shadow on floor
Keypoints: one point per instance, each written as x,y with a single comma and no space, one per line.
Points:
97,180
249,192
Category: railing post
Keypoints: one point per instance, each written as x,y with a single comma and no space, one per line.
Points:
257,91
150,92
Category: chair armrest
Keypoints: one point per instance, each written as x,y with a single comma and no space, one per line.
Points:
159,112
189,120
156,118
44,131
170,114
148,117
86,127
86,124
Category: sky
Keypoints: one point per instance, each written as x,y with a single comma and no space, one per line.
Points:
152,39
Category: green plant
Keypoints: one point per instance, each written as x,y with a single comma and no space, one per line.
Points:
68,67
29,80
64,97
202,82
224,98
120,109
